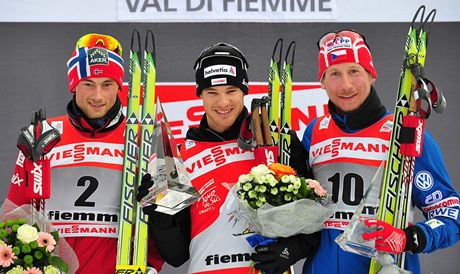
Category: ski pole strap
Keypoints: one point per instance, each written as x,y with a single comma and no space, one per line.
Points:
411,135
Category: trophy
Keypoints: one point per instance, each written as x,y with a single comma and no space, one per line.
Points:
172,190
351,239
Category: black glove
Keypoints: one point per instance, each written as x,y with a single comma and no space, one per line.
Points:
276,258
160,220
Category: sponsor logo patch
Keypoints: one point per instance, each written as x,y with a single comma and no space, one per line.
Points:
445,212
325,123
218,81
338,42
423,180
58,125
387,126
448,202
219,70
189,144
434,223
98,56
433,197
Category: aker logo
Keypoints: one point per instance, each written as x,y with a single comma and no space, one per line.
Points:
219,70
423,180
98,56
227,258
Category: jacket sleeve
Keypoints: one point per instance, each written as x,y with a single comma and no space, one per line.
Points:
18,183
434,194
306,142
171,235
298,156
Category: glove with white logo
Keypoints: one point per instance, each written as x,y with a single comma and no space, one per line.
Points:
170,233
158,219
276,258
394,240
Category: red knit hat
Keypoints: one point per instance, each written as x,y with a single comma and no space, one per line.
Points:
95,55
345,46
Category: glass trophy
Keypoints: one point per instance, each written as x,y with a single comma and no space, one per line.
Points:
351,239
172,190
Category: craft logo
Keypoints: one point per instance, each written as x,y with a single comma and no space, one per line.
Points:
219,70
98,56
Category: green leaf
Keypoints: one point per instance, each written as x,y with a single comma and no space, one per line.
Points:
60,264
55,235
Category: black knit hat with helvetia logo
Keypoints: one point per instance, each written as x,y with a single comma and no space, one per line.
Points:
221,64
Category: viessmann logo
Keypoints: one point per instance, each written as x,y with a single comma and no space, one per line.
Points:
219,70
87,152
338,146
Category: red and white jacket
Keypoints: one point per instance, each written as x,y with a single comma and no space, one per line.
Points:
219,227
85,194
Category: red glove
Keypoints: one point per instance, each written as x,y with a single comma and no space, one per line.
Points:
387,237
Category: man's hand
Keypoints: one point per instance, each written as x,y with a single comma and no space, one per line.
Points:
276,258
387,237
159,219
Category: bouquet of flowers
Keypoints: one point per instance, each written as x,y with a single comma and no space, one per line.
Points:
28,249
280,203
25,249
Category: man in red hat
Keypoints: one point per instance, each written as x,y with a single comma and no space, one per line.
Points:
357,120
86,164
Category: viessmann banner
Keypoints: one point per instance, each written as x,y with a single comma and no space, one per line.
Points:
184,109
227,10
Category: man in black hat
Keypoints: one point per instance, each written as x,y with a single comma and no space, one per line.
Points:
212,232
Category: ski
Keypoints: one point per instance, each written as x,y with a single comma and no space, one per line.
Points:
129,179
416,97
145,146
285,107
274,92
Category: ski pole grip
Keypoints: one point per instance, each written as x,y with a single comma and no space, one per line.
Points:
265,126
256,124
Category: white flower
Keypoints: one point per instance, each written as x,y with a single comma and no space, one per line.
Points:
16,270
244,178
2,242
27,233
260,170
51,270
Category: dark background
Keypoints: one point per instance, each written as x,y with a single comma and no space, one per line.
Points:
33,74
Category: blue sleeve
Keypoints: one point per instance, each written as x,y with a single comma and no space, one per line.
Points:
434,194
306,142
306,138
